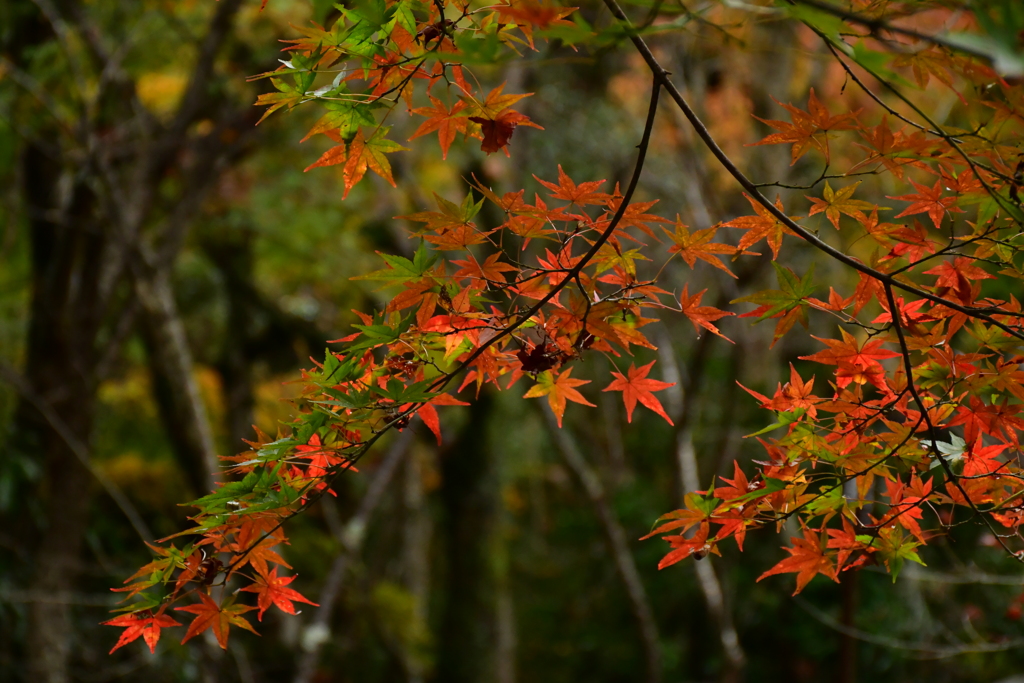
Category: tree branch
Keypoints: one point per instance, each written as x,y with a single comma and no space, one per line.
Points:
662,76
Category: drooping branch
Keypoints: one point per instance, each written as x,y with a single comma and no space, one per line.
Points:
663,77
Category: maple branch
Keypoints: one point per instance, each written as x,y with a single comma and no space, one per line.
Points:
933,448
935,129
571,274
877,26
663,77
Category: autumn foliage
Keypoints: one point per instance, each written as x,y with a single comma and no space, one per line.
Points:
911,423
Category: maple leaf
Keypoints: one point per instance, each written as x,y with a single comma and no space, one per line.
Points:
428,413
635,215
487,273
528,14
807,559
856,363
496,101
272,589
880,232
953,274
211,615
580,195
498,131
369,153
696,509
846,542
808,129
144,624
698,245
447,122
558,390
638,387
836,203
288,96
795,395
762,226
788,303
928,200
683,547
893,149
360,154
701,316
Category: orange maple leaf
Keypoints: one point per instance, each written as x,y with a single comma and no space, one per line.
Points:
638,387
558,390
836,203
447,122
144,624
580,195
701,316
211,615
807,559
698,245
273,590
762,226
360,154
487,273
808,129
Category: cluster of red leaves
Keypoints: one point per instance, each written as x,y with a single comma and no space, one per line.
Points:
923,406
947,435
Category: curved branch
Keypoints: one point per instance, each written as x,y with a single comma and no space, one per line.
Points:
662,76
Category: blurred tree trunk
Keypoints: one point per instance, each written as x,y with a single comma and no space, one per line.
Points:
175,388
60,361
416,535
86,204
466,638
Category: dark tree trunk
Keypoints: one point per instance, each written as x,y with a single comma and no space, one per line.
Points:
466,639
60,371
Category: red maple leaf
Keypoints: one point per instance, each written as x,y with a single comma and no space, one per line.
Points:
211,615
808,129
807,559
856,363
273,590
498,131
428,413
928,200
144,624
683,547
638,387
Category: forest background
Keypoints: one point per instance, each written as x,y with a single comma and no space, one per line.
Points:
507,553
